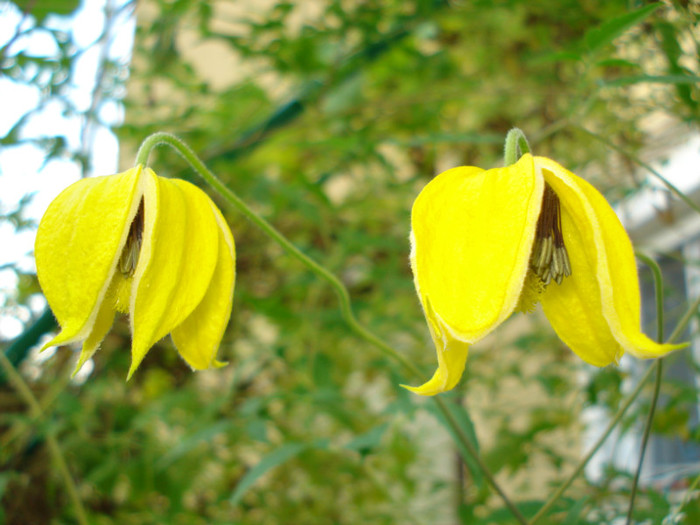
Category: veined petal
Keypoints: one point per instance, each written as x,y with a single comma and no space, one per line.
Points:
472,233
78,245
595,311
451,354
176,263
198,337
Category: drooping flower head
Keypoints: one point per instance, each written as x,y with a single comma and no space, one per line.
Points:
155,248
486,243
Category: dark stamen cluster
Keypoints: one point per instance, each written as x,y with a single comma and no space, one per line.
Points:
549,259
130,254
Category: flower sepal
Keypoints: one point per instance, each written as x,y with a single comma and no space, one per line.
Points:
157,249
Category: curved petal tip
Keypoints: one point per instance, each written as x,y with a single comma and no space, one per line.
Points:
451,353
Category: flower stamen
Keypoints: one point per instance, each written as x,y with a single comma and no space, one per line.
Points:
549,259
130,254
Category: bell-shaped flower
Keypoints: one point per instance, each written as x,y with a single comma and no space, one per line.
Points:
486,243
155,248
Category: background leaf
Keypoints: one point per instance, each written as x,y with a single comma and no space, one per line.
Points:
598,37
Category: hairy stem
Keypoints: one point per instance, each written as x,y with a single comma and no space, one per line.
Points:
516,146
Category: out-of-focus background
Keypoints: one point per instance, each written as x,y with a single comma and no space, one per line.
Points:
328,117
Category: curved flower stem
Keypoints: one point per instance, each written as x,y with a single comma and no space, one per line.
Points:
659,291
54,448
516,146
338,287
682,324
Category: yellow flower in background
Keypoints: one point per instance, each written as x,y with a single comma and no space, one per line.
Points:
487,243
155,248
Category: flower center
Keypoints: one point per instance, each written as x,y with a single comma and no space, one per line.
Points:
130,254
549,259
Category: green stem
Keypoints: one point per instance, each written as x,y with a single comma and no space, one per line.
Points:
682,324
659,292
644,165
233,199
516,146
688,495
55,451
464,440
579,468
343,296
645,438
685,320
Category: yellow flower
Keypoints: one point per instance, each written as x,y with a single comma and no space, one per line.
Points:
155,248
487,243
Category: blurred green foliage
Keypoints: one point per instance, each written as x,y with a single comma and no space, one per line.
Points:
331,117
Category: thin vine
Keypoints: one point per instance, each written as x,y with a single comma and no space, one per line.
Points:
343,296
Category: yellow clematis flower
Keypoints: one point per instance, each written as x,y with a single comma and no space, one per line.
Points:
155,248
485,243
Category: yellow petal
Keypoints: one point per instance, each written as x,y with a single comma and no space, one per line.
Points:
177,260
473,231
595,311
78,245
198,337
451,354
103,322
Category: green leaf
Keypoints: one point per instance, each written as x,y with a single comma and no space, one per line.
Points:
269,462
365,443
447,138
504,515
322,371
598,37
464,421
40,9
556,56
672,49
574,515
257,430
653,79
5,478
616,62
187,444
660,506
